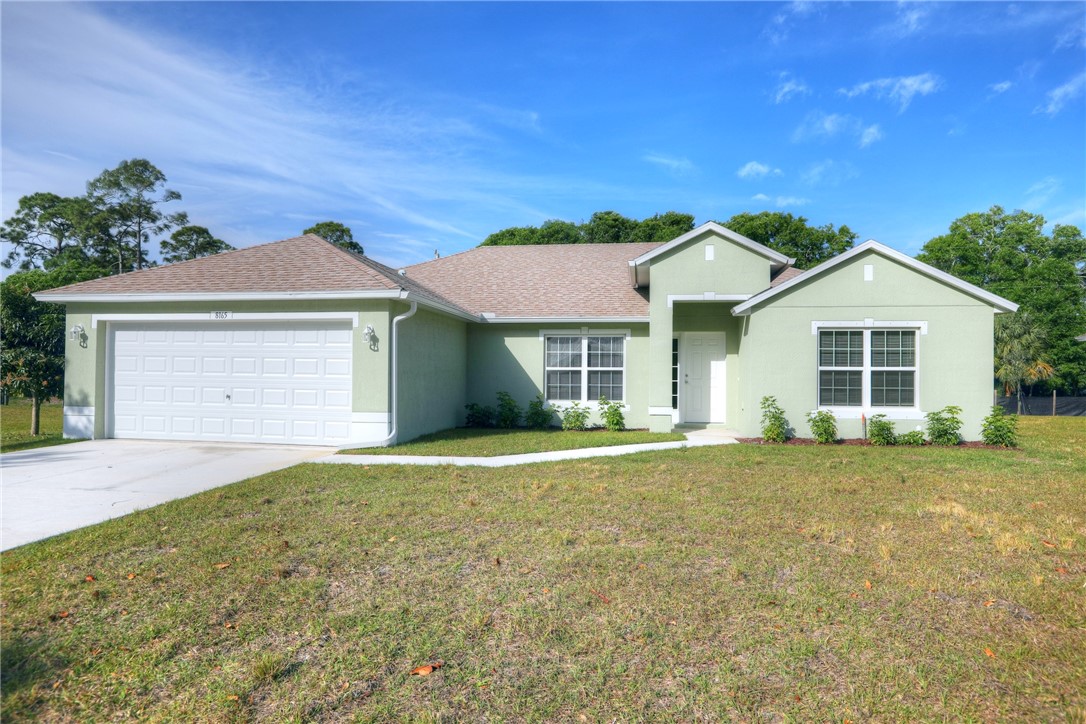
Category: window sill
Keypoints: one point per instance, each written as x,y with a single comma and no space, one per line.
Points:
894,413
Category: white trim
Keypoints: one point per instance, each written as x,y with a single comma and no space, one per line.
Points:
582,332
106,298
706,297
868,324
892,413
235,317
491,319
684,367
723,232
865,407
1000,304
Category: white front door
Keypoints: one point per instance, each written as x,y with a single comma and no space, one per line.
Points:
284,382
702,362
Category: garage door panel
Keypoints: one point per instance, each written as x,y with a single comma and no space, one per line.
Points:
270,382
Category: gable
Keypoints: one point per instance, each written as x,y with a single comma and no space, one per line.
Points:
724,240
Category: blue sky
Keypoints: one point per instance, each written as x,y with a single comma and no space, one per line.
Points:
429,126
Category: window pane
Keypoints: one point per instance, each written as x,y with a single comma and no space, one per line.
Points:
893,348
840,349
840,389
892,389
605,351
608,384
563,385
563,352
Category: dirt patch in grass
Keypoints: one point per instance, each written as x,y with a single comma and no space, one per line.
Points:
488,442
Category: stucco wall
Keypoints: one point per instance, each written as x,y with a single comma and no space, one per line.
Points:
509,358
954,356
715,317
432,381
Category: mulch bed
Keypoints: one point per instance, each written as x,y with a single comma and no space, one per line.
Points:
857,441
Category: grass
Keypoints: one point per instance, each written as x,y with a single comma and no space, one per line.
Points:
476,442
737,582
15,426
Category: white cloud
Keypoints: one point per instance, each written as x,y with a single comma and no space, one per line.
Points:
1039,194
755,170
780,25
1060,96
1001,87
900,90
789,87
870,135
819,126
829,173
759,197
782,201
675,164
911,17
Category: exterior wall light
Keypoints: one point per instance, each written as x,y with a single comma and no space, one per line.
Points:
367,333
76,332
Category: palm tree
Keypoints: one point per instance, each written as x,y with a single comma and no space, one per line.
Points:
1019,353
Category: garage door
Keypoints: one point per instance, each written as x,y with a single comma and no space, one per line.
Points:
244,382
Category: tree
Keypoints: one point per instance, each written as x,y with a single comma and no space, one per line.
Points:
44,226
513,236
608,227
792,236
1012,256
32,335
663,227
192,242
605,227
1019,353
336,233
557,231
126,201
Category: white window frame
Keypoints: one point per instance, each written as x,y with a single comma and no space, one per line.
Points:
583,335
866,327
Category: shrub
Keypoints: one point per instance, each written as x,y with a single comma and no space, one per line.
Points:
774,424
999,428
611,412
823,426
913,437
943,425
880,431
574,417
479,416
509,413
538,417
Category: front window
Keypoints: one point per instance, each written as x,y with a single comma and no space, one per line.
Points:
584,368
867,368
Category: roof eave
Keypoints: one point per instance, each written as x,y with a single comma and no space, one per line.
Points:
130,297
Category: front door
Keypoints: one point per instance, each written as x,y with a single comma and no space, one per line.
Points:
702,362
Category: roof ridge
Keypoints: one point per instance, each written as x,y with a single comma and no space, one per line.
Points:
611,244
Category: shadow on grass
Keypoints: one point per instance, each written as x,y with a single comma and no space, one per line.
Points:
25,664
32,443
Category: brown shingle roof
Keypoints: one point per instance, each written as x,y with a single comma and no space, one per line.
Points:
303,264
561,280
784,275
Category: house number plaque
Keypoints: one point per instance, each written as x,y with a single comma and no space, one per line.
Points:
222,315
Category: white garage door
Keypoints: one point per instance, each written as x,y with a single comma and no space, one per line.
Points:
284,382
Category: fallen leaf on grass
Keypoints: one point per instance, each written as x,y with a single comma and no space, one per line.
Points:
233,697
392,539
1061,570
221,566
989,602
867,585
600,596
427,669
89,579
1048,544
59,615
130,576
989,652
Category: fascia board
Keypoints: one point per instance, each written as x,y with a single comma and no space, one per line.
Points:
217,296
1001,304
563,320
724,232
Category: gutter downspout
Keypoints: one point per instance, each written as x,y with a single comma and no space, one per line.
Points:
394,375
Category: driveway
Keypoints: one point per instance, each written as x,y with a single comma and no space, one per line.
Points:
52,490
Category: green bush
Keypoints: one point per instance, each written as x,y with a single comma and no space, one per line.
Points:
913,437
944,424
611,412
774,424
509,413
999,428
823,426
880,431
574,417
479,416
538,416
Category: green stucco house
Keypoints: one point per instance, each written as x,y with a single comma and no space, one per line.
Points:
300,342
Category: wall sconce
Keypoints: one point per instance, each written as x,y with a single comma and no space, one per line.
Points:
76,332
367,333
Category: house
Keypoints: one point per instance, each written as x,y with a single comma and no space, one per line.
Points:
300,342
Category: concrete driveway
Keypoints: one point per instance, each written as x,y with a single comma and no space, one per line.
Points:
52,490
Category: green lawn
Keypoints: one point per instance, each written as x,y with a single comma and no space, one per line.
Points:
15,426
745,582
476,442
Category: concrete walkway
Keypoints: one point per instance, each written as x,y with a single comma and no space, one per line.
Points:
699,437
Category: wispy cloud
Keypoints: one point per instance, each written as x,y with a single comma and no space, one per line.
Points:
782,201
674,164
789,87
1001,87
829,173
821,126
900,89
780,25
759,197
1039,194
1060,96
755,170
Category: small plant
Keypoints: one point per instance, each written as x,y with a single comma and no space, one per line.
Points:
943,425
611,412
538,417
880,431
999,428
479,415
574,417
823,426
912,437
509,412
774,424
